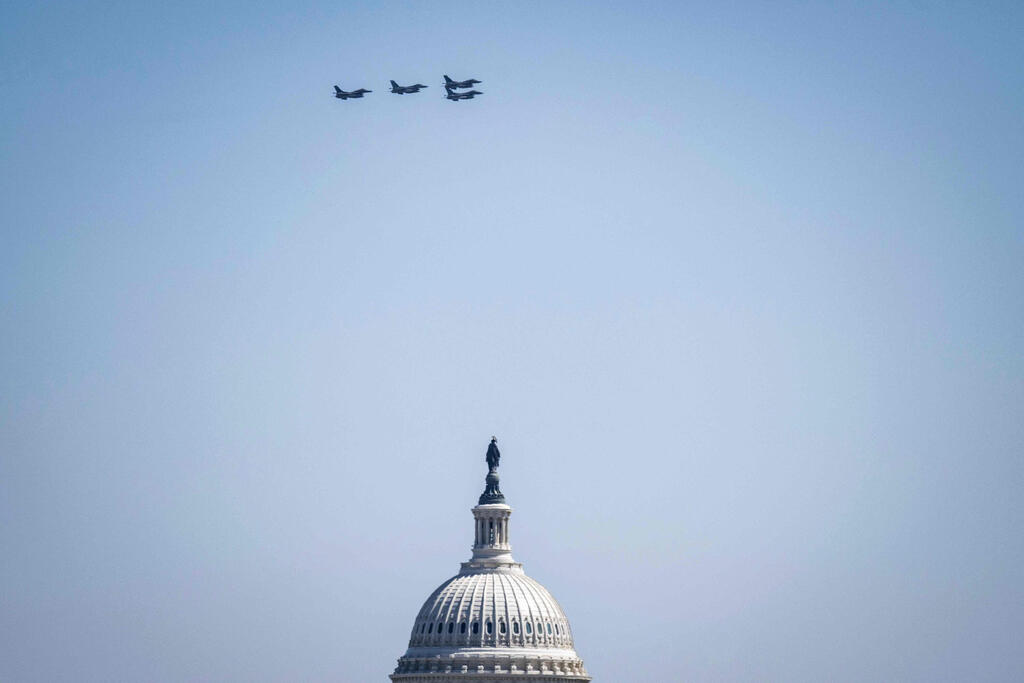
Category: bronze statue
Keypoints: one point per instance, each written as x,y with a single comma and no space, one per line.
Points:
493,454
492,491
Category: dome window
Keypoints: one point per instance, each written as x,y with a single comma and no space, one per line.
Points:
430,628
501,626
557,632
490,628
540,629
515,627
529,628
549,628
440,627
451,626
476,627
462,627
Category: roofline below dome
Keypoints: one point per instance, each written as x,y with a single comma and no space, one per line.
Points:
502,651
489,664
486,677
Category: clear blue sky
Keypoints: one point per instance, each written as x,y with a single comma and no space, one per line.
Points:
738,286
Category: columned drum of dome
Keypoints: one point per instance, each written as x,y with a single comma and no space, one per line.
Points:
491,622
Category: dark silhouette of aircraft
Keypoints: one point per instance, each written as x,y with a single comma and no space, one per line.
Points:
456,96
342,95
405,89
449,83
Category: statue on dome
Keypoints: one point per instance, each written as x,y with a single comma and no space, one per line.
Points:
492,491
493,454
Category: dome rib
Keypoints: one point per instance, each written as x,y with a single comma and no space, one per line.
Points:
462,616
476,613
507,615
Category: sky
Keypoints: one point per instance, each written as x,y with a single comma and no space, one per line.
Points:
737,286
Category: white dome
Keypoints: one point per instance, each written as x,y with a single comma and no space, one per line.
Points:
495,608
490,621
495,622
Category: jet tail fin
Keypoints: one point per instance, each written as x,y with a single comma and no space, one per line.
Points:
393,84
447,80
337,89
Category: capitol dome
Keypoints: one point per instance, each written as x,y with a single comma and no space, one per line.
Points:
491,621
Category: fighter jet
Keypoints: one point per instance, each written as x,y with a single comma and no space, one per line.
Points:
342,95
449,83
405,89
456,96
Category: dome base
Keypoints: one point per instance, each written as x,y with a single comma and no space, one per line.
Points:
484,678
487,664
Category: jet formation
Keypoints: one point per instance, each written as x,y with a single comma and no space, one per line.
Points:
451,89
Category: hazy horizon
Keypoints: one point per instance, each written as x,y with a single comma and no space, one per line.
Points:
737,286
